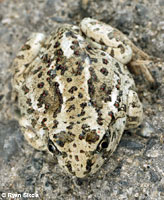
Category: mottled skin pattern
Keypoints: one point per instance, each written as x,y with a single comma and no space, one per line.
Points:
75,95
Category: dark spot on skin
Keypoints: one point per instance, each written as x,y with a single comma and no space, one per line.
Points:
103,87
64,155
118,67
101,42
60,143
40,74
99,121
43,120
59,52
63,68
57,44
55,124
118,99
70,99
37,70
80,95
69,167
26,47
120,93
28,101
51,73
58,59
84,126
48,80
75,42
25,89
112,53
72,107
77,53
33,122
39,105
21,57
69,80
82,135
45,58
79,69
118,87
70,133
116,104
30,110
72,47
72,89
76,158
96,29
119,81
56,111
93,74
44,93
107,99
57,91
88,48
111,115
83,105
91,89
40,85
103,54
74,145
94,60
92,136
70,126
110,35
81,114
97,166
89,165
105,61
46,107
93,23
70,34
104,71
122,49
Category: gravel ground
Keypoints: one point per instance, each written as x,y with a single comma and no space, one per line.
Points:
136,169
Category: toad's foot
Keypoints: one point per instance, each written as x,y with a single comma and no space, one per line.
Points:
141,67
140,63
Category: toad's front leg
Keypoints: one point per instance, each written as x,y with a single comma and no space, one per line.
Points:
26,55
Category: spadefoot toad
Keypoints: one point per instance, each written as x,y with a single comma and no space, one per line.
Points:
75,94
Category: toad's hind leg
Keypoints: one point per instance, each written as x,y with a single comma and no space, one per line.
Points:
25,56
134,111
115,43
107,38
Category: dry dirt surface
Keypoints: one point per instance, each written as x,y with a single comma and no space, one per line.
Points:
136,169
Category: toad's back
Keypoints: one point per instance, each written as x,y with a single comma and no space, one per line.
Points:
72,94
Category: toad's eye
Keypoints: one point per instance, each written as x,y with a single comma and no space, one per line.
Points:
52,148
103,144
